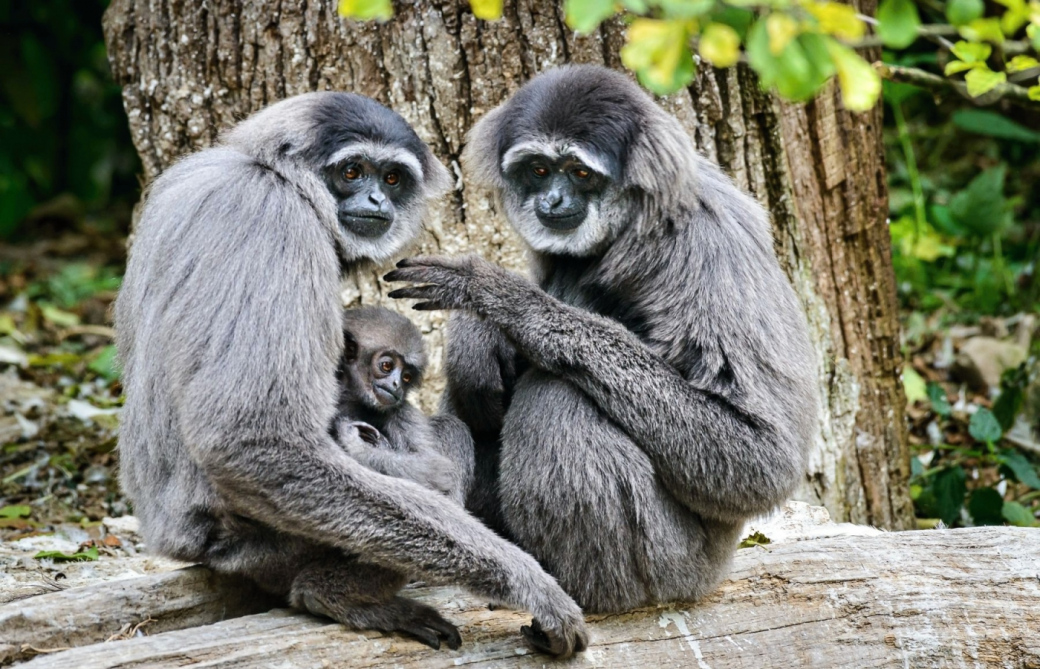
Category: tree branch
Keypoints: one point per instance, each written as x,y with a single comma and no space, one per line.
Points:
1016,95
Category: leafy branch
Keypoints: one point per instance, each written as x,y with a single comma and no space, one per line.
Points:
797,46
1016,95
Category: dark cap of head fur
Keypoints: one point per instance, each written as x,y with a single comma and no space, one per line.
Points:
314,126
597,107
379,328
606,113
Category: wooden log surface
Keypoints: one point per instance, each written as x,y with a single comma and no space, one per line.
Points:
82,616
942,598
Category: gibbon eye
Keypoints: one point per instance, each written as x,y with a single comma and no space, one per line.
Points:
386,366
392,178
582,173
352,172
539,171
406,377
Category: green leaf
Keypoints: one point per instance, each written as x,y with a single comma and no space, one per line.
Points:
1020,467
838,19
16,511
1020,63
1033,33
992,124
685,9
799,71
1018,515
970,52
983,80
898,22
781,29
720,45
734,17
1013,384
104,364
955,66
913,385
586,15
89,555
960,12
860,83
949,490
981,208
62,319
984,426
985,506
754,539
983,30
488,10
365,10
1034,93
659,53
940,402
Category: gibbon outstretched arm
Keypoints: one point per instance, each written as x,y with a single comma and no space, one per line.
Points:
699,441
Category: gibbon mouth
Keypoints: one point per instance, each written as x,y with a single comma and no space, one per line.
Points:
567,222
386,397
367,226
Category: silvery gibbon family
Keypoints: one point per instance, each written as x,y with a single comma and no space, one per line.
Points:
608,423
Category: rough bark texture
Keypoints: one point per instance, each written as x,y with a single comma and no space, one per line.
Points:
883,600
190,70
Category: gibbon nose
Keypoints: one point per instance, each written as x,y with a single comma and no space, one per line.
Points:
379,200
550,203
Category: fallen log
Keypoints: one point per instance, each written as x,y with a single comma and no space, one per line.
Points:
82,616
936,598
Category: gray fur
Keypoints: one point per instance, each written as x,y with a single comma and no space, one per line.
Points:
656,388
230,332
435,452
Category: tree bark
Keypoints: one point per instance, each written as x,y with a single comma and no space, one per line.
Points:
189,70
908,599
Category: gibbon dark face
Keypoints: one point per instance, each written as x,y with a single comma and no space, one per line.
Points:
383,358
372,184
559,190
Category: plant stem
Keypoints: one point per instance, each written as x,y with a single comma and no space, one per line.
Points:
920,220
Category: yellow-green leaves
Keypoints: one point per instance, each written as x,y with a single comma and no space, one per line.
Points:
586,15
489,10
798,70
720,45
983,30
781,29
659,53
983,80
365,10
838,19
972,59
1020,63
1034,93
898,22
860,84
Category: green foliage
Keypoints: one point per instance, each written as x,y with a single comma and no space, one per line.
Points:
15,511
89,555
795,47
898,22
62,125
942,492
104,364
991,124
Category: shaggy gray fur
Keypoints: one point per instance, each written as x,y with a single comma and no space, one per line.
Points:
230,333
656,388
435,452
